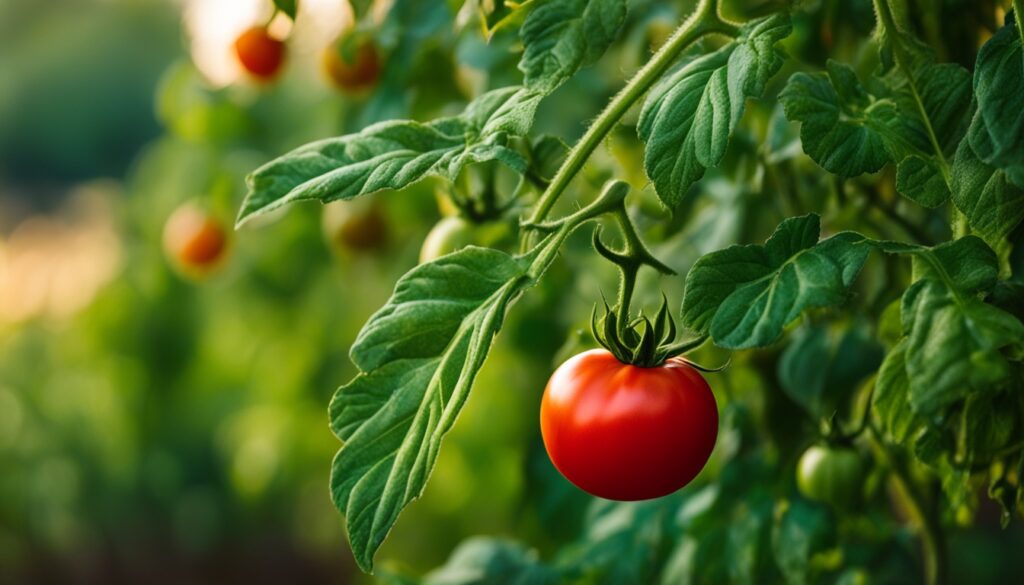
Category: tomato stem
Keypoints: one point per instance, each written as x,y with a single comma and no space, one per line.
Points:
704,20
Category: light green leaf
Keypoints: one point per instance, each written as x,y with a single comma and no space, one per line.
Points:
992,204
744,295
999,91
689,117
560,37
393,154
419,355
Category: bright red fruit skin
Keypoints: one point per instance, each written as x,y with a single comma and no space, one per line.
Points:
259,53
623,432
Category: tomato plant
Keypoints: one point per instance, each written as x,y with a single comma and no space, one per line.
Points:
544,215
777,102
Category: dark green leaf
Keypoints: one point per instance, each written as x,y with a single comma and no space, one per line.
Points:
560,37
744,295
845,129
989,423
992,204
690,115
968,263
999,91
803,530
820,371
915,118
492,561
620,543
892,395
419,355
953,339
393,154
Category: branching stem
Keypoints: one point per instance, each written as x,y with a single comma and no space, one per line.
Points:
705,20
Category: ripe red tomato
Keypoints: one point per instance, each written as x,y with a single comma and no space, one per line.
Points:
623,432
355,71
260,54
195,241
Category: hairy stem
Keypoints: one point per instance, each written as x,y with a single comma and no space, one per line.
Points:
704,20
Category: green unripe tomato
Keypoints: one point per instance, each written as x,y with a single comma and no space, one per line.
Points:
833,475
452,234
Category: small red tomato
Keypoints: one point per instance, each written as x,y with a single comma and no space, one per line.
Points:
195,241
623,432
352,71
259,53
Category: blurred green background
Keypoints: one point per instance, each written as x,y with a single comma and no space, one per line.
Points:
159,429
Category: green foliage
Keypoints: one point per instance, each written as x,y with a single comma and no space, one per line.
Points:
803,531
843,128
744,296
561,37
820,369
943,395
689,117
997,130
419,355
393,155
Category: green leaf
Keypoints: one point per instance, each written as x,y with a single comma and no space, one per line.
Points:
393,154
849,131
990,423
620,542
999,92
992,204
968,263
892,395
419,355
689,117
953,338
492,561
802,530
845,129
820,371
286,6
743,296
945,94
560,37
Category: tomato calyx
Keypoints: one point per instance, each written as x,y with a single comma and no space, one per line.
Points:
641,341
